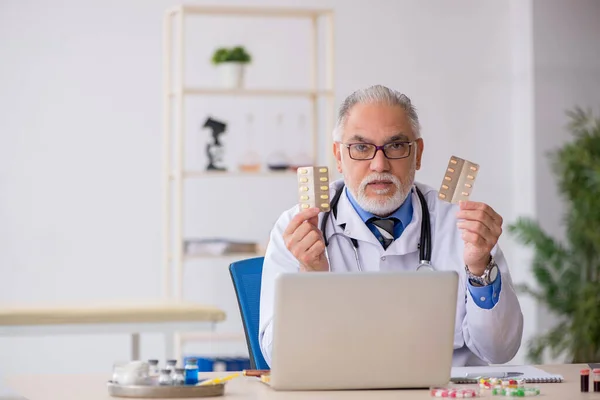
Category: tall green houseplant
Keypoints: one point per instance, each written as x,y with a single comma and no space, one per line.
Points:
568,273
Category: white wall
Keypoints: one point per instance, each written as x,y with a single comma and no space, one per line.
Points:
567,74
80,142
520,163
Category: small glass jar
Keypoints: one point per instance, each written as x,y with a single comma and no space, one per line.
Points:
191,371
153,368
278,159
596,372
171,365
250,159
165,377
179,376
130,372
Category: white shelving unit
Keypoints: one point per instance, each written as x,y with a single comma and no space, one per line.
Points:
175,92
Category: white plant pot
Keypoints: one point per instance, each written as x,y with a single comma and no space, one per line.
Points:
231,74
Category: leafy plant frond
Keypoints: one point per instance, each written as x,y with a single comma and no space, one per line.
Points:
548,250
557,340
581,121
526,289
550,264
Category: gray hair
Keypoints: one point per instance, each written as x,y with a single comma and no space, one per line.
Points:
376,94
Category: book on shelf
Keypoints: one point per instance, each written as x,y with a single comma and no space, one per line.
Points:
218,246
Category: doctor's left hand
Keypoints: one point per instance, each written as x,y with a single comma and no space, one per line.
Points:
481,227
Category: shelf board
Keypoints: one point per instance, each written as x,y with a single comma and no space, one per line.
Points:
229,174
230,255
252,11
212,336
191,91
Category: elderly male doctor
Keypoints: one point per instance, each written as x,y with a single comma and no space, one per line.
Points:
378,147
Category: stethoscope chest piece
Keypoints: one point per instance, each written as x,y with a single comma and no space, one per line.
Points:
425,266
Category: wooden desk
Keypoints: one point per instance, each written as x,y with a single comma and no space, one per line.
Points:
93,387
132,318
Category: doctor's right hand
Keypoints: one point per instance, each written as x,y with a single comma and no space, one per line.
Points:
304,240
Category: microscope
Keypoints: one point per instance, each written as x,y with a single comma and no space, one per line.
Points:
214,150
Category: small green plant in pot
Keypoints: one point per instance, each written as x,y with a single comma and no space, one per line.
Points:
231,63
567,275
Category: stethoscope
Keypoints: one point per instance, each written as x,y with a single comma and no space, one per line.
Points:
424,242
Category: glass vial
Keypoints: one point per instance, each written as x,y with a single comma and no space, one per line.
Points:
596,379
171,364
179,376
301,158
153,368
165,377
191,371
278,160
585,380
250,159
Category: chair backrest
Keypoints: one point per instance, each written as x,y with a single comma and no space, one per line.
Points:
246,276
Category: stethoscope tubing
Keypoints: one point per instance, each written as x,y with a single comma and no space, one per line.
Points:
424,241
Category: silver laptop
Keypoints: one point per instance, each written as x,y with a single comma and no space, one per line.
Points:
365,330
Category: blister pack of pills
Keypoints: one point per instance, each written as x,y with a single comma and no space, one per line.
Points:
524,391
497,383
455,392
458,180
313,188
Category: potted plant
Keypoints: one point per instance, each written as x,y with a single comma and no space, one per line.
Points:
231,63
567,274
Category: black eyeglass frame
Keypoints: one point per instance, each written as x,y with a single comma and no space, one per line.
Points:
382,148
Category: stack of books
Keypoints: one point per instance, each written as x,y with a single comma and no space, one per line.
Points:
218,247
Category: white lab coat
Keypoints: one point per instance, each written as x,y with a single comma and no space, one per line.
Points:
481,336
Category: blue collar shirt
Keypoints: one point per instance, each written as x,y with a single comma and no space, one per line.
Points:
403,214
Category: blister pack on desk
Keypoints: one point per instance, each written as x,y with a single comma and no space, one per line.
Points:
524,391
455,391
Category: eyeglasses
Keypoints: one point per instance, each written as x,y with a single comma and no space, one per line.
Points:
367,151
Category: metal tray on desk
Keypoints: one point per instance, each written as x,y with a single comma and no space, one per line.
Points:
164,392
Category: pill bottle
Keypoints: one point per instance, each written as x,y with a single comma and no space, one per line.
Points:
584,379
596,372
165,377
171,365
179,376
153,368
191,371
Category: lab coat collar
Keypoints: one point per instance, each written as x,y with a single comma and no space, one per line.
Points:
354,227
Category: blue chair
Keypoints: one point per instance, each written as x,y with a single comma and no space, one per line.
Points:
246,276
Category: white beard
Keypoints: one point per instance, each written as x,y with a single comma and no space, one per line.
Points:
386,205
